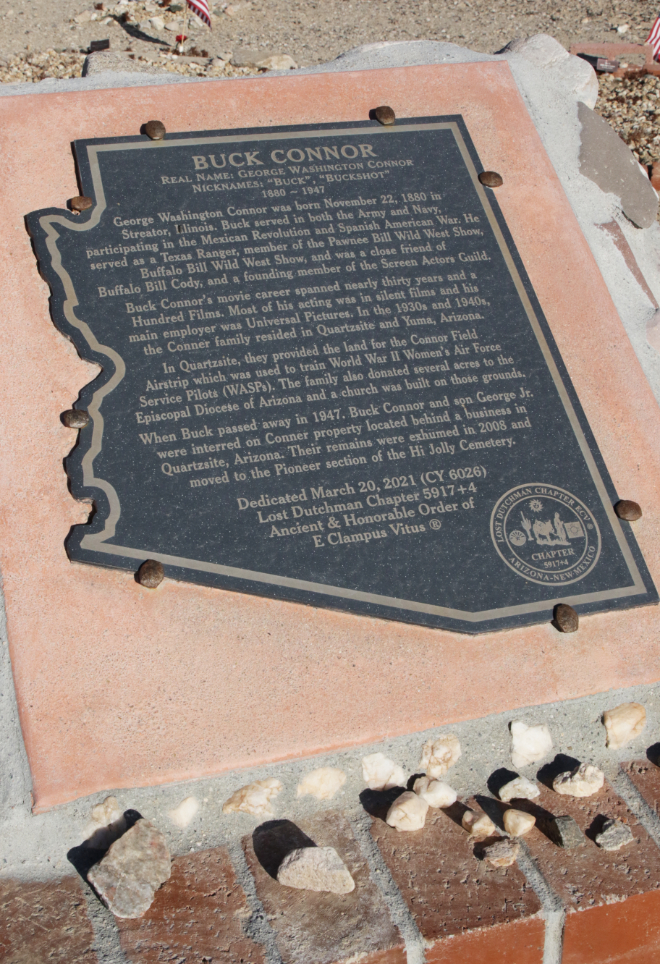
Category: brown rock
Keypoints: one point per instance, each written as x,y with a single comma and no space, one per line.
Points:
151,574
198,915
502,853
75,418
385,115
81,203
45,922
133,869
566,618
630,511
491,179
155,129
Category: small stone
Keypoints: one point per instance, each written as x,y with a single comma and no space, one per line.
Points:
218,62
566,618
106,825
155,129
623,723
157,23
625,509
75,418
478,824
519,789
322,783
83,17
254,798
106,812
491,179
183,814
502,853
385,115
151,574
133,869
174,26
439,755
316,868
436,793
565,832
381,773
81,203
517,823
246,58
614,835
408,812
278,62
583,781
529,744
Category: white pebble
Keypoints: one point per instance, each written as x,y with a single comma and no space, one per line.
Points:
478,824
106,812
183,814
439,755
519,789
583,781
623,723
316,868
436,793
381,773
254,798
517,823
529,744
408,812
322,783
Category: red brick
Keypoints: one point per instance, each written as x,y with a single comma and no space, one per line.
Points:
45,923
316,928
197,915
612,899
646,777
465,909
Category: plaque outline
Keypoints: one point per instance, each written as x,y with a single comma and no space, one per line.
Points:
96,541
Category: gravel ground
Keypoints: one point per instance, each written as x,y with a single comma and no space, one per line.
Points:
39,38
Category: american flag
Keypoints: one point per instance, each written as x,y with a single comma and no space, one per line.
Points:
201,9
653,38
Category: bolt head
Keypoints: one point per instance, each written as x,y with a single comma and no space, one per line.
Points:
150,574
81,203
155,129
75,418
385,115
566,619
630,511
491,179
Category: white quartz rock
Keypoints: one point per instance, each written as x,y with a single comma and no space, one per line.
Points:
408,812
439,755
322,783
436,793
519,788
623,723
478,824
517,823
583,781
183,814
381,773
255,798
316,868
529,744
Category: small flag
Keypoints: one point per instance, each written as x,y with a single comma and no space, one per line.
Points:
201,9
653,38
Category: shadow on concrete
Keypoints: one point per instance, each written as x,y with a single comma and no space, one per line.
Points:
560,764
653,754
275,840
499,778
87,854
378,802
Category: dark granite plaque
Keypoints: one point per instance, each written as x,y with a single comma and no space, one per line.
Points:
326,378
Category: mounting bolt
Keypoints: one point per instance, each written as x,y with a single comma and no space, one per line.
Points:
150,574
566,619
75,418
384,115
155,130
491,179
630,511
81,203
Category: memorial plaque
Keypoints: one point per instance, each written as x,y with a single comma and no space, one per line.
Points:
326,378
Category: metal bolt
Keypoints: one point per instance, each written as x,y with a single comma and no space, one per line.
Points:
75,418
491,179
566,618
81,203
150,574
155,130
627,510
384,115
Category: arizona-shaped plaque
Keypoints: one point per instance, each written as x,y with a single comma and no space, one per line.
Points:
326,378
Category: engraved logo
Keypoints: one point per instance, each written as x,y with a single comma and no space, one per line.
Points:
545,534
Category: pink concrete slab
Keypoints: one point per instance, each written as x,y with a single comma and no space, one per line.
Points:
119,686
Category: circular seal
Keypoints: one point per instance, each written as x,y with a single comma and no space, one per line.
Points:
545,534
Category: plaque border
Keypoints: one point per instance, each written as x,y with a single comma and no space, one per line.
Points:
94,543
